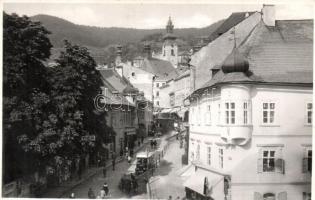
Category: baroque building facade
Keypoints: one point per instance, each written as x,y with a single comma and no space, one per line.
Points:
250,125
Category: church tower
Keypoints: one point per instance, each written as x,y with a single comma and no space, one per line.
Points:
170,48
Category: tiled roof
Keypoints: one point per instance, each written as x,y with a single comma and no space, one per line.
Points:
230,22
164,70
277,55
118,82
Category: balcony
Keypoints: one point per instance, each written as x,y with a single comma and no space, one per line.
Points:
236,135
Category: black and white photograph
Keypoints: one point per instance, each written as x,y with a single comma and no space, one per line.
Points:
174,100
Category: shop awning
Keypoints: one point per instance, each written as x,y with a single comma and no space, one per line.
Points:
196,181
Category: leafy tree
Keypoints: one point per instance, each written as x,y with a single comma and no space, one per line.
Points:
26,46
48,111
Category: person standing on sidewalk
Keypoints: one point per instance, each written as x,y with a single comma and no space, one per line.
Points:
113,161
113,164
104,171
105,188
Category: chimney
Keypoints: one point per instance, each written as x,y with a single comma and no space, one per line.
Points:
147,51
118,54
268,14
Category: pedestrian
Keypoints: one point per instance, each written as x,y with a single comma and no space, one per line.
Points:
113,164
72,196
129,159
131,152
135,185
105,187
104,171
102,193
91,194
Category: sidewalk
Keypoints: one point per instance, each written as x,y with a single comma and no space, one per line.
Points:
59,191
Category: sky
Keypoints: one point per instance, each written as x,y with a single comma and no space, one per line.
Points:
150,15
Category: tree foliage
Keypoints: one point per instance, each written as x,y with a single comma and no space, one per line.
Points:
48,111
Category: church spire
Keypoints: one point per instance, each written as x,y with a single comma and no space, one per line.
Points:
169,26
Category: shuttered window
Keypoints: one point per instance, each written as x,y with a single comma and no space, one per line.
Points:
270,160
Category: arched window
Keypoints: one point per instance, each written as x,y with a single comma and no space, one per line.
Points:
269,196
172,52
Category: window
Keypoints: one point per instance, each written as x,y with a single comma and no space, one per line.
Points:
164,52
157,84
198,152
309,113
192,154
219,114
157,103
268,113
307,161
207,118
208,155
172,52
221,157
133,74
271,160
157,93
307,196
230,113
245,113
269,196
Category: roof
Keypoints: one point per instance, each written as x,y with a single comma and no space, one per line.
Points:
163,69
231,21
118,82
276,55
183,75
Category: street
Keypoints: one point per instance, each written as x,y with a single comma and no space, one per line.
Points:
166,181
164,177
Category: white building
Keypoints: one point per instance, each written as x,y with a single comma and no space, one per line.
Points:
251,123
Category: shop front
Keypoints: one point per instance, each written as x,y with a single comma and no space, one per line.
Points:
129,138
